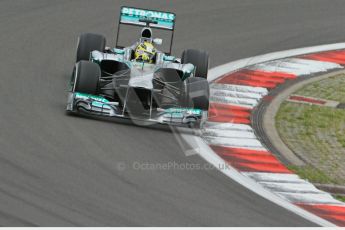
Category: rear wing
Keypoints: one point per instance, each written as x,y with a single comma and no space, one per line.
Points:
143,17
161,20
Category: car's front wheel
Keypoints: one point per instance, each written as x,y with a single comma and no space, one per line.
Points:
85,79
199,58
196,93
87,43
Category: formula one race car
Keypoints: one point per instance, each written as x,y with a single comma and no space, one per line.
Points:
139,82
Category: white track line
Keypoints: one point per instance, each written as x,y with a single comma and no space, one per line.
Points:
296,66
234,93
228,133
228,126
240,88
236,142
235,65
274,177
243,102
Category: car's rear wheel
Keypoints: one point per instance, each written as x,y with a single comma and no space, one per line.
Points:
199,58
196,93
86,77
87,43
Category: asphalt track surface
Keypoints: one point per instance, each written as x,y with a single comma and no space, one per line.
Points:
57,170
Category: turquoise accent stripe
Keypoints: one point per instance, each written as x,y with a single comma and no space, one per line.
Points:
90,96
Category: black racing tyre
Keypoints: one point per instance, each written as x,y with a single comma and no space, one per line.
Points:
197,93
87,43
86,77
199,58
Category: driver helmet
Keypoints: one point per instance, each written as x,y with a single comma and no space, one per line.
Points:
145,52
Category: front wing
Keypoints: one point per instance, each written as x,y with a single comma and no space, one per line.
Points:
81,103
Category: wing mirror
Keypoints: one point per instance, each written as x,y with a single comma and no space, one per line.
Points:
158,41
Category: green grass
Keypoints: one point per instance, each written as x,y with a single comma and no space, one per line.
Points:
341,198
331,89
316,133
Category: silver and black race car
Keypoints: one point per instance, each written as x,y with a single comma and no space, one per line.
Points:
110,82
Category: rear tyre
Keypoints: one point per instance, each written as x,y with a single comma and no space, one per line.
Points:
199,58
86,77
197,93
87,43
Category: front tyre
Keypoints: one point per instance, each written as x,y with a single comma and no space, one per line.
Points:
199,58
87,43
196,93
86,76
